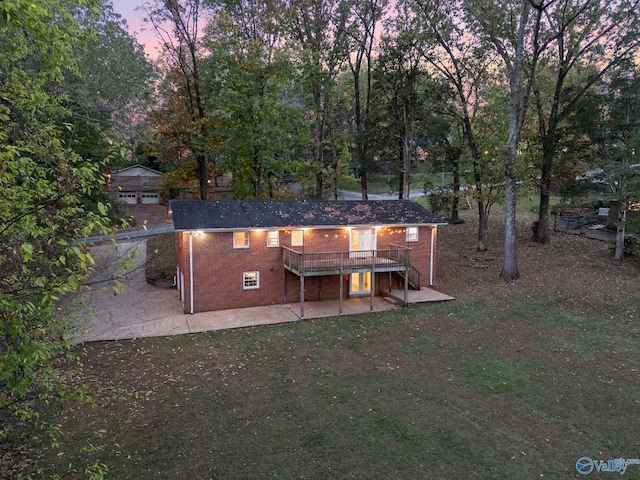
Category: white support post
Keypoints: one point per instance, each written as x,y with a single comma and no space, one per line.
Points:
373,276
302,297
341,290
191,271
431,259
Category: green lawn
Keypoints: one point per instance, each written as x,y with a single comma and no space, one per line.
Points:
509,381
383,184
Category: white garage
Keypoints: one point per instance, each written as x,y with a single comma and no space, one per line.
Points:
150,198
128,197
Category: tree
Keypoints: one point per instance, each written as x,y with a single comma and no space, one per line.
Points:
177,25
317,29
397,74
512,30
461,60
249,77
361,30
113,88
581,43
43,187
619,144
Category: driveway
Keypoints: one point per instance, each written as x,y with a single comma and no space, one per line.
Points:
136,311
143,310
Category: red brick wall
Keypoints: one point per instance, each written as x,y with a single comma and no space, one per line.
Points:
218,267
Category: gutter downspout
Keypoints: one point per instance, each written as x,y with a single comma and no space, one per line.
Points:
433,237
191,271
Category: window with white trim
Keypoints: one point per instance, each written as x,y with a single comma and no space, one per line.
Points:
240,239
412,234
250,280
145,181
297,238
273,238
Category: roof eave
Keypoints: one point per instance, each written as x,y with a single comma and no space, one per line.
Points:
302,227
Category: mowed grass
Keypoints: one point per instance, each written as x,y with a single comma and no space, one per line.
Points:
512,380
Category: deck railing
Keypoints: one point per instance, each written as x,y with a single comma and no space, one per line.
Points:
395,258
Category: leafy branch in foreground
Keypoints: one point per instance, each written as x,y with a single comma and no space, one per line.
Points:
44,187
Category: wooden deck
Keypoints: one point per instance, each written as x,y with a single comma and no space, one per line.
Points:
306,264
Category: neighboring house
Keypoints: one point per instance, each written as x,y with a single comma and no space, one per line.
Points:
136,184
234,254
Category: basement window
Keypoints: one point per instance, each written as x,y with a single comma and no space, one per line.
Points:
250,280
412,234
240,239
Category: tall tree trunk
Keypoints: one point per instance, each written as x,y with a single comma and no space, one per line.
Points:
360,147
518,97
481,246
257,171
620,231
406,154
202,176
541,234
320,134
549,141
455,201
510,267
363,184
335,165
401,178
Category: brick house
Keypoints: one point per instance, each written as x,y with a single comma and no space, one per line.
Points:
235,254
135,184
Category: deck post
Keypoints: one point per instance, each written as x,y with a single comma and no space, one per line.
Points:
341,289
373,277
406,288
406,279
302,297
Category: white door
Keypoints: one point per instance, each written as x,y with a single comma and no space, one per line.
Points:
360,283
363,243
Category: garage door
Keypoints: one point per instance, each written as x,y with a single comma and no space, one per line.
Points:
128,197
150,198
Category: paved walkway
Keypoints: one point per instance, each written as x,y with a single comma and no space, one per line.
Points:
143,310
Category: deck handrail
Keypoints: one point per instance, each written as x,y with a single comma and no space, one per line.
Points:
393,258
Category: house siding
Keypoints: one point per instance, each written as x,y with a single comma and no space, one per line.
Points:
218,267
134,183
127,185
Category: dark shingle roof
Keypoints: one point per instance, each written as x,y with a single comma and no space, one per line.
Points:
231,215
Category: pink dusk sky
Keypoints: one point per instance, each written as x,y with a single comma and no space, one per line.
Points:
127,8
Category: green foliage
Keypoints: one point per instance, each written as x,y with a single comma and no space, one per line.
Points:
632,245
440,201
112,88
249,85
43,187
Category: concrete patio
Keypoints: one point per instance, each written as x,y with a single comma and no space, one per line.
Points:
143,310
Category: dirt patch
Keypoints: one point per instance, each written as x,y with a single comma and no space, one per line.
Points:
161,260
